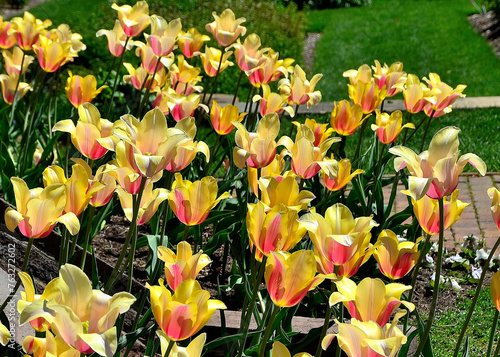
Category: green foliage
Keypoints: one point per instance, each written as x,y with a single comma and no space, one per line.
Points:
388,31
327,4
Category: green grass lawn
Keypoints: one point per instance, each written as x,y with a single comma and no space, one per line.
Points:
427,36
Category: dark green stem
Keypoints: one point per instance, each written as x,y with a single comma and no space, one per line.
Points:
117,76
214,87
237,88
110,69
326,323
422,143
497,349
476,297
492,334
267,333
410,116
358,147
14,99
169,349
148,89
430,319
86,237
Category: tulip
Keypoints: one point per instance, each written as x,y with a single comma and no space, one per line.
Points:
181,106
390,77
133,20
138,76
299,90
367,339
194,348
183,73
388,127
184,313
7,38
186,152
284,191
4,334
274,169
9,84
368,95
495,205
80,90
116,39
63,34
345,119
272,102
426,211
192,201
83,318
149,60
248,55
191,42
416,94
371,299
395,259
27,29
226,28
435,172
290,276
38,210
14,59
306,156
49,346
336,175
495,289
150,201
183,265
321,133
337,236
88,130
28,296
145,146
275,230
362,74
445,98
211,60
104,195
52,55
163,35
269,69
256,149
280,350
221,118
125,175
78,192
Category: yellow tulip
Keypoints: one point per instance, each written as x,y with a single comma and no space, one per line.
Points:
248,54
186,152
345,119
192,201
226,28
184,313
416,94
7,37
183,265
133,20
191,42
150,201
4,334
445,96
299,90
367,339
52,54
395,259
495,204
371,299
80,90
149,60
388,127
211,60
495,289
273,230
290,276
183,73
104,195
337,174
256,149
269,69
280,350
89,128
163,35
28,29
426,210
9,83
284,191
138,76
48,347
362,74
305,156
145,146
116,39
274,169
38,210
435,172
337,236
13,61
194,348
390,77
83,318
321,133
63,34
367,95
271,102
221,118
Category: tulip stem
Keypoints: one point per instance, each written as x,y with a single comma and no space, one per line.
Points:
267,333
186,232
117,76
248,314
148,89
14,99
237,88
492,334
23,268
169,349
292,126
392,197
426,130
326,324
415,274
425,335
410,116
86,237
341,320
476,297
358,147
214,87
133,225
497,349
110,69
376,179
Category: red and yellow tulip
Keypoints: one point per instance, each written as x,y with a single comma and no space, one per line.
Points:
495,204
388,127
495,289
248,54
80,90
27,30
133,19
191,42
14,59
9,84
226,28
367,95
194,349
7,37
337,174
445,96
271,102
212,62
163,35
299,90
150,201
345,119
283,191
116,39
221,118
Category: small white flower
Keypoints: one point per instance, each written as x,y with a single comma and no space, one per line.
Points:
476,272
434,248
481,254
452,283
455,259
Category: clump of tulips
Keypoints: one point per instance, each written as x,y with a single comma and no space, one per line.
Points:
295,212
